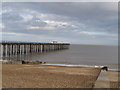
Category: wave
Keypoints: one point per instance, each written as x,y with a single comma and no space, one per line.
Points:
74,65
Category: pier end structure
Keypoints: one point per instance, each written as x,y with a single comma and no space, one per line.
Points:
17,48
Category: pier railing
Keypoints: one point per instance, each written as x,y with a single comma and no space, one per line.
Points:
16,48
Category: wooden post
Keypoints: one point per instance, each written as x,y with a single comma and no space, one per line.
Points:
3,51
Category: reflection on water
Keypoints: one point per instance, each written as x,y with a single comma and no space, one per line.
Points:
77,54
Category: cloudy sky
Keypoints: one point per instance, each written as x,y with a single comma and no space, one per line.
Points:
74,22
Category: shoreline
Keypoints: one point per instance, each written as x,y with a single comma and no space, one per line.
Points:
60,64
80,65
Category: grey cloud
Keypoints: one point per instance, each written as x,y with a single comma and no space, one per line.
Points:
88,17
99,15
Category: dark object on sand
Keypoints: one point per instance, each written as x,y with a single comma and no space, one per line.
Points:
32,62
105,68
23,62
44,62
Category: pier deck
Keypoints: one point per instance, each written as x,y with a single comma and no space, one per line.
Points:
16,48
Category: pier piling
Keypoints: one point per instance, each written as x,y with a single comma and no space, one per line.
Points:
17,48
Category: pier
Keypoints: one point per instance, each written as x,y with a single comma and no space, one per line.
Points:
19,48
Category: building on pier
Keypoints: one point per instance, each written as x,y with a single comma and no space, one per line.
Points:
54,42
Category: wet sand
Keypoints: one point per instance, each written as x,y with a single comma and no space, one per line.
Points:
39,76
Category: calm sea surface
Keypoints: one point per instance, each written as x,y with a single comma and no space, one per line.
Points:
78,54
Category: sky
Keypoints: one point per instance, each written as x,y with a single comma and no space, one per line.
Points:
93,23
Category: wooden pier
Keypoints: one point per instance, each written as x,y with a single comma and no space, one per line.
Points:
19,48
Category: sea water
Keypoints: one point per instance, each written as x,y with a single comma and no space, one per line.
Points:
87,55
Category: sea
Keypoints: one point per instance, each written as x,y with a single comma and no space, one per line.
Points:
77,55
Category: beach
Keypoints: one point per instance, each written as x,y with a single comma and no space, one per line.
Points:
48,76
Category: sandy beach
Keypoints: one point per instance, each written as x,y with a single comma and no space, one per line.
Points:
39,76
